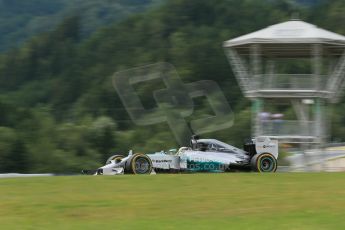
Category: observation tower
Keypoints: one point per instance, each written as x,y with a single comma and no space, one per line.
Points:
293,69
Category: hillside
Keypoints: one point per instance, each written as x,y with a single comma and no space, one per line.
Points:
20,20
60,113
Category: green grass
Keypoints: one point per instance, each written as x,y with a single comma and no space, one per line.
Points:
193,201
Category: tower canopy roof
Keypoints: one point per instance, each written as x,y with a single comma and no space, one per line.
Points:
293,31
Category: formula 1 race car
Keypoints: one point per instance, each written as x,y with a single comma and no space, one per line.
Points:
204,155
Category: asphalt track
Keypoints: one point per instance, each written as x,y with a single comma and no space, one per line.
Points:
13,175
297,161
314,157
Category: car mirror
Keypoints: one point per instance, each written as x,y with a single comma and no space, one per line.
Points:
172,151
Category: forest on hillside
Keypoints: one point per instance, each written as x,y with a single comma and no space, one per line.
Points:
60,113
20,20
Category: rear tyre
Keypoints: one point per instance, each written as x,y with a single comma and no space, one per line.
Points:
139,164
116,158
264,162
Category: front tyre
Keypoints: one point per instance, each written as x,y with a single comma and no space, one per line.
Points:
264,162
139,164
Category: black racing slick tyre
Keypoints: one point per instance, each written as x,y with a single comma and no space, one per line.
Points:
116,158
138,164
264,162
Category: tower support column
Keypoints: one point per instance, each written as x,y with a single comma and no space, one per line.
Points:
257,105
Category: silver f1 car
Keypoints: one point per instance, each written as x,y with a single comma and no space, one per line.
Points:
204,155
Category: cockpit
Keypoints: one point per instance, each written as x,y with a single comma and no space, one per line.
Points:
213,145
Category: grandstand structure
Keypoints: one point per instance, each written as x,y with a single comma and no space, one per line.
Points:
295,64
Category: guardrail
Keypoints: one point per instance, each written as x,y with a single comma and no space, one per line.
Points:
291,81
287,128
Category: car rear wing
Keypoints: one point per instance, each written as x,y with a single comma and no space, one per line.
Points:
266,145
